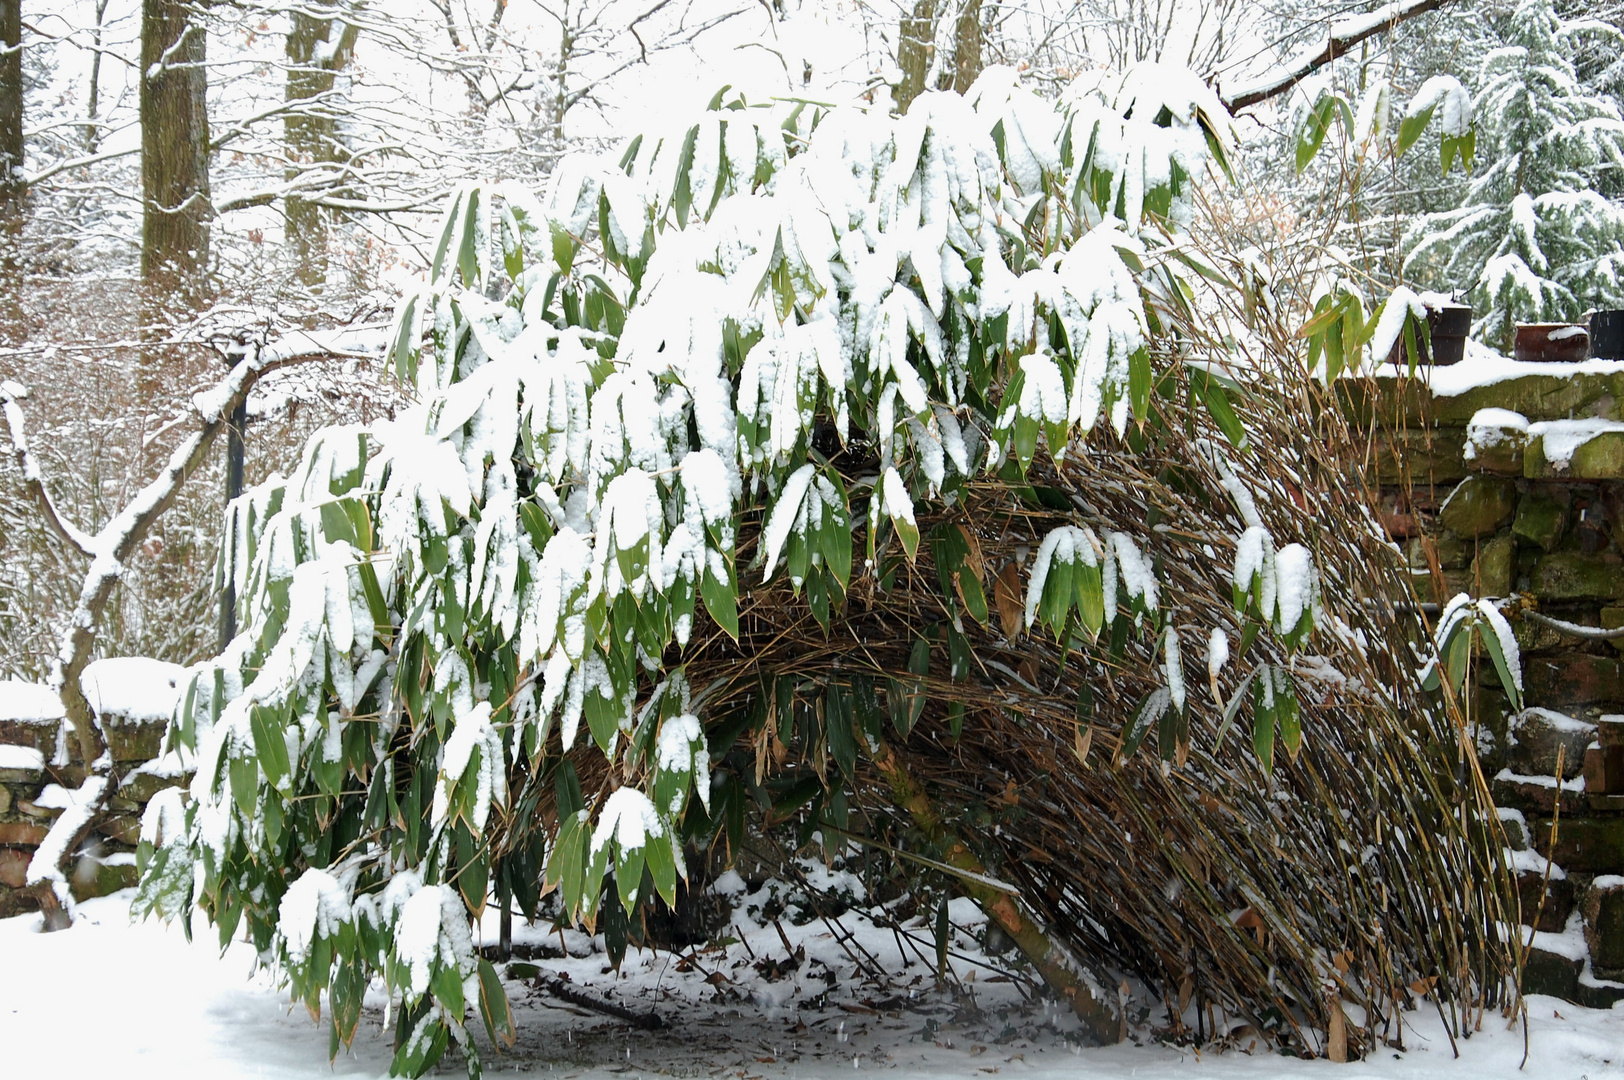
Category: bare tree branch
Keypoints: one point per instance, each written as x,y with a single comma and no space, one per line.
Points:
11,395
1342,36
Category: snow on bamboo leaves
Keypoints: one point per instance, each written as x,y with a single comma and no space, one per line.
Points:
610,379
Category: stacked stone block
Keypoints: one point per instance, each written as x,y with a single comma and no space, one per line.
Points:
33,781
1516,488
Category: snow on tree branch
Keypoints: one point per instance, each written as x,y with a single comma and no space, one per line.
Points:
11,397
1340,37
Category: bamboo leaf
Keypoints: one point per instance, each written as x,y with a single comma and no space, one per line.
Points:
662,865
1145,717
1233,708
1288,712
1218,407
1411,127
270,745
1264,715
1139,384
1316,125
494,1007
721,599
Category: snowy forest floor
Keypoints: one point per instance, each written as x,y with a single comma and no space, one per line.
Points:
111,999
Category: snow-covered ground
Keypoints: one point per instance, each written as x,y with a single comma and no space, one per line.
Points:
108,999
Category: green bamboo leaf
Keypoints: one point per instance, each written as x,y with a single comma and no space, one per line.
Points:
721,599
1233,709
450,235
407,349
566,868
270,745
418,1052
244,775
345,994
1139,383
1264,715
1457,651
470,256
1326,312
672,782
494,1008
1089,589
1411,127
662,857
597,868
1502,665
1218,407
629,872
1055,604
837,723
908,533
1288,712
564,248
836,543
446,985
1150,710
866,708
1311,135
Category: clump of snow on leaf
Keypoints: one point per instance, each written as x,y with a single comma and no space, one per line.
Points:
1449,100
315,905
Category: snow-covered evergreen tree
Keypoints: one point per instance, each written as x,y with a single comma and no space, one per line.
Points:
1532,239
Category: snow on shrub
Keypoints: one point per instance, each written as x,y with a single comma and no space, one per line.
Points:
610,379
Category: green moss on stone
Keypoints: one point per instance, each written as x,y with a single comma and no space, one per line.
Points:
1494,567
1573,575
1599,458
92,878
1409,402
1481,504
1431,456
1499,450
132,741
1541,520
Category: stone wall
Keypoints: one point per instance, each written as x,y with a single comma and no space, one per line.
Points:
1516,488
35,782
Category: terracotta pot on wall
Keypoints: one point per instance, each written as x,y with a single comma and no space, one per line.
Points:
1551,342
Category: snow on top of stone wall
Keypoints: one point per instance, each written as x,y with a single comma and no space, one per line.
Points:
28,703
132,687
1482,366
24,758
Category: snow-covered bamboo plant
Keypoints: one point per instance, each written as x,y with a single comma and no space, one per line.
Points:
622,388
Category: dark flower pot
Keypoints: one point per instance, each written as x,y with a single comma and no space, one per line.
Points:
1452,320
1551,342
1447,326
1607,334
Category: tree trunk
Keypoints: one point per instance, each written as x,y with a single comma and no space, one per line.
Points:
174,153
913,52
917,40
315,57
967,47
93,105
11,166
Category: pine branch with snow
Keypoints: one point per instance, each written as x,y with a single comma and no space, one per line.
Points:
1532,239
